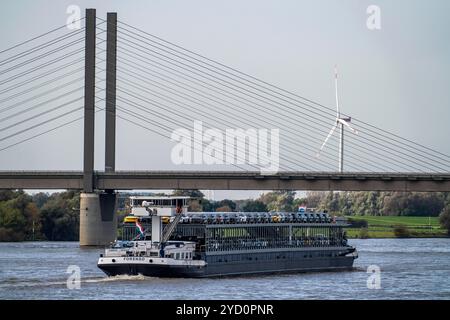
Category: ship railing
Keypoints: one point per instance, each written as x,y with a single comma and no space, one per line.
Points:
255,217
292,243
115,252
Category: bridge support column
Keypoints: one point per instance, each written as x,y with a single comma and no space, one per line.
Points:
98,220
89,101
110,100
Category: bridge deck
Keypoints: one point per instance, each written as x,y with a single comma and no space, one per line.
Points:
227,180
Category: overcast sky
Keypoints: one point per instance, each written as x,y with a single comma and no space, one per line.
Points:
396,78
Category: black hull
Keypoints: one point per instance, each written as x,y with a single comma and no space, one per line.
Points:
275,267
162,271
218,269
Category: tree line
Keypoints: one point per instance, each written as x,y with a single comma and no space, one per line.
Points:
428,204
42,216
55,216
336,203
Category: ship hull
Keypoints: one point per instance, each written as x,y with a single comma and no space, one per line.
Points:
234,265
274,267
151,270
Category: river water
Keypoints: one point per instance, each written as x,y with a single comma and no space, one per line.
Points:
410,269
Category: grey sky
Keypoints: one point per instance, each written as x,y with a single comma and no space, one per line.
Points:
396,78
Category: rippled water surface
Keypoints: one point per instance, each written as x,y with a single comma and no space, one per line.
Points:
410,269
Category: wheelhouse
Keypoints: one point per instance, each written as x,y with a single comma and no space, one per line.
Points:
142,206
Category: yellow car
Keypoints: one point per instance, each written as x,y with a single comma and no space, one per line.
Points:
276,218
165,219
130,219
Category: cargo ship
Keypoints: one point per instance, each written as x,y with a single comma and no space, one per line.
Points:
160,238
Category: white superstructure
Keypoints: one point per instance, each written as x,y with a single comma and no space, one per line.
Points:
159,255
143,206
157,207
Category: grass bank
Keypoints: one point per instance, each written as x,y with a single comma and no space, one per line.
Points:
397,226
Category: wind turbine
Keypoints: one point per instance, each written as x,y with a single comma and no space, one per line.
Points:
341,122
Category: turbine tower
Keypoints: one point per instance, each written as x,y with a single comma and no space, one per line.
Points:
341,122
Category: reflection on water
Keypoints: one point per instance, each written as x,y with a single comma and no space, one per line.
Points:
410,269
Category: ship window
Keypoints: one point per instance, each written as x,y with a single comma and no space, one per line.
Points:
182,255
177,255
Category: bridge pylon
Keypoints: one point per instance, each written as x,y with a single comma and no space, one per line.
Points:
98,219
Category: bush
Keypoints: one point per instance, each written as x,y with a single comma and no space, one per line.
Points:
11,235
254,206
364,233
444,218
401,231
224,209
357,223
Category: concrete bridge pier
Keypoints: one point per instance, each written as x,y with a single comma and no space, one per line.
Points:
98,219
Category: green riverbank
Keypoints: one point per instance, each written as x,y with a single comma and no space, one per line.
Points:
395,227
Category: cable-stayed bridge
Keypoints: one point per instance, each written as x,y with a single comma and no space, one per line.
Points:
54,80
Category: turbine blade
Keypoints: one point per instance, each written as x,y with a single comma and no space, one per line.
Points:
349,126
326,139
338,115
